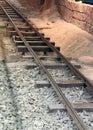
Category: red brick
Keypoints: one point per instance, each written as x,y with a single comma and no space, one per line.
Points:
79,16
91,29
66,13
78,23
89,19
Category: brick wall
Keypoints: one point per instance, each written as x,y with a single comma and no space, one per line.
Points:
77,13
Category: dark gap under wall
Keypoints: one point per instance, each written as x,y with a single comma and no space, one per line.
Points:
42,2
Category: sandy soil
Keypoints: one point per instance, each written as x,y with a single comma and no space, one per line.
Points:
73,41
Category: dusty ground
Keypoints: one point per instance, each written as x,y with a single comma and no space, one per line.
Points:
8,51
74,42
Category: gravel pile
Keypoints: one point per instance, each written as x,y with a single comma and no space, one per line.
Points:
25,107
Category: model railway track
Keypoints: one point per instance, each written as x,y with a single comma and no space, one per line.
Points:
28,39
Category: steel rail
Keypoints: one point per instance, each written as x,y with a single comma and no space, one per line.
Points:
59,92
76,72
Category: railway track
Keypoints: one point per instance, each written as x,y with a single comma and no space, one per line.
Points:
29,40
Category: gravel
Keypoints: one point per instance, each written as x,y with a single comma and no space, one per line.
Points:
88,119
32,103
25,107
79,94
62,74
8,120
